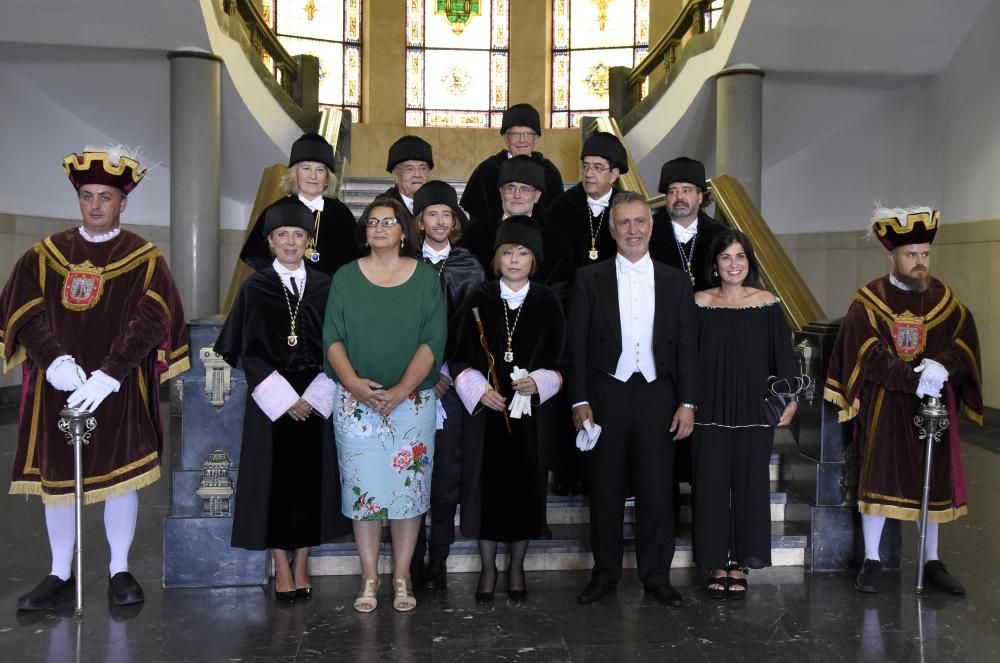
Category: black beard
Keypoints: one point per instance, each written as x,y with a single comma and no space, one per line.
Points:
916,284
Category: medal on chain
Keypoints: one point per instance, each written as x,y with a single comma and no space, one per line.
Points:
508,356
293,314
592,254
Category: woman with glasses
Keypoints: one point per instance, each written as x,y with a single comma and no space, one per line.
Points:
521,128
288,468
384,337
504,473
310,179
743,339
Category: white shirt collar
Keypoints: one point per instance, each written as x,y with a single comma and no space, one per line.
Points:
598,205
514,298
643,265
97,239
315,205
899,284
434,255
406,201
685,235
286,275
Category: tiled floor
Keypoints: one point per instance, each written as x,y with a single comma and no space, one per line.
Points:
790,615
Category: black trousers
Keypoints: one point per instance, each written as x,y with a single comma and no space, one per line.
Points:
732,496
635,442
446,481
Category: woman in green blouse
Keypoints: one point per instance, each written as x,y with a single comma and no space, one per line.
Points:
385,333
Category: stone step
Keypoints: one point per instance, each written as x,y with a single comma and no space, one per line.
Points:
568,549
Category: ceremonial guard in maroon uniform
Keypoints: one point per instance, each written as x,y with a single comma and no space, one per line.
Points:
94,316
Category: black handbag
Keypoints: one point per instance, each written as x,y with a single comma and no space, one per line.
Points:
779,393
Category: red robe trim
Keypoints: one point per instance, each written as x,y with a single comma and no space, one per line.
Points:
114,307
886,333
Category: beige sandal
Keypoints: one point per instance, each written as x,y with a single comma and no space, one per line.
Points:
367,599
404,600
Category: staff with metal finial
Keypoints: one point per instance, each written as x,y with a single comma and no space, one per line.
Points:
78,425
489,361
931,420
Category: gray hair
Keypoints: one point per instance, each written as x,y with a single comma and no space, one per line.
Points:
626,198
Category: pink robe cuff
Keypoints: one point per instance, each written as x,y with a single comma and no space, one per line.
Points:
470,387
444,371
549,383
274,396
320,394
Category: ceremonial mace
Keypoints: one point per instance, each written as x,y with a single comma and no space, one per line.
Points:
489,361
931,420
77,425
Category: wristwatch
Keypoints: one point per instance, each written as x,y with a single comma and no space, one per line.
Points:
690,406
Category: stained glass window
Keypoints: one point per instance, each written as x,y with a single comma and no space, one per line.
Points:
588,38
330,30
456,62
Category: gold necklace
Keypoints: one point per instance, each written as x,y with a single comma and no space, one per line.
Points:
593,233
508,356
293,338
687,258
312,255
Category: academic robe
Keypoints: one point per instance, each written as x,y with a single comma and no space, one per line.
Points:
288,491
479,236
503,474
886,333
482,190
663,246
114,307
334,237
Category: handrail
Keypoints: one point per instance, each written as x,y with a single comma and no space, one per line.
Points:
263,38
780,274
335,127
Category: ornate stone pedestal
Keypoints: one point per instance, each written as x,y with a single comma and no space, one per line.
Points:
196,550
824,472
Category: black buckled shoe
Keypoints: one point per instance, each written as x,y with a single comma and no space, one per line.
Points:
436,577
869,578
937,576
124,590
51,591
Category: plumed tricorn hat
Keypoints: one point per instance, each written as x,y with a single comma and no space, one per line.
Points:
410,148
110,166
311,147
521,230
437,192
606,145
288,212
896,227
523,170
682,169
521,115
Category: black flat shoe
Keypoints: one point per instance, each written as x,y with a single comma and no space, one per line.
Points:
487,597
436,577
124,590
664,594
594,592
937,576
517,595
869,577
304,593
49,592
287,597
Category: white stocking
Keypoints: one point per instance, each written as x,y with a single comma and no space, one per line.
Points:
930,541
871,527
61,525
120,514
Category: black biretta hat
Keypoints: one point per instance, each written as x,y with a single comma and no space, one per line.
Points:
521,115
683,169
311,147
287,212
521,230
606,145
410,148
437,192
523,170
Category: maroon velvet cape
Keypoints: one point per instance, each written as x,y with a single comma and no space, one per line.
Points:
114,307
886,333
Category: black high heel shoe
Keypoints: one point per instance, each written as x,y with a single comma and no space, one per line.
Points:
303,593
517,595
288,597
487,597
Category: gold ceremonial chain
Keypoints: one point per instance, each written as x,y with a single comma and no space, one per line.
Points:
508,356
293,339
686,258
441,266
312,255
593,233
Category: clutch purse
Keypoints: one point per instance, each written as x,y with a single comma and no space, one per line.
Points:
779,393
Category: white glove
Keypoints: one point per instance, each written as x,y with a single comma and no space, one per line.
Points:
586,439
96,389
64,374
932,378
520,404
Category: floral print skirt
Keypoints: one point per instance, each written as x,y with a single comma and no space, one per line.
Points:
385,462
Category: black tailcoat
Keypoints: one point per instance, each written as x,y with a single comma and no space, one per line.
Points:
482,191
663,246
335,231
481,232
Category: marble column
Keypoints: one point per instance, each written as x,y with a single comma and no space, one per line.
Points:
739,111
195,165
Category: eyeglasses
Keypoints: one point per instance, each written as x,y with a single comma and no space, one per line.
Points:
410,170
595,168
511,189
521,134
387,222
